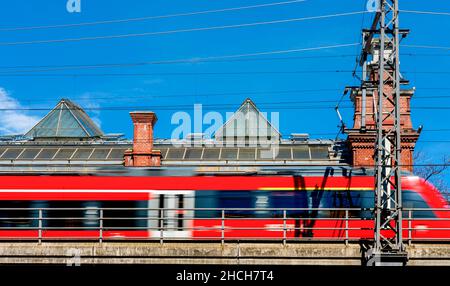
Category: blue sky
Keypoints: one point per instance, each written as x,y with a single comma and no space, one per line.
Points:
165,90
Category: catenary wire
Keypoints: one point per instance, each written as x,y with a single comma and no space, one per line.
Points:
186,30
146,18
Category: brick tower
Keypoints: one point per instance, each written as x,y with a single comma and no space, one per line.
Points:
361,138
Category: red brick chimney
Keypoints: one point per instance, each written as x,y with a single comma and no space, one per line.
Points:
361,140
143,154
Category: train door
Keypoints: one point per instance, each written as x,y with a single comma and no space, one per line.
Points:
171,214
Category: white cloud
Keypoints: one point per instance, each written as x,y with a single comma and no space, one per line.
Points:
14,120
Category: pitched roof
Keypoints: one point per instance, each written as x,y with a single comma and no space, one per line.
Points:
247,122
66,120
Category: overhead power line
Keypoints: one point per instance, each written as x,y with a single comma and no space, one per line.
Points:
172,73
210,28
426,12
30,73
227,57
426,47
176,107
146,18
218,59
159,62
248,93
129,98
274,105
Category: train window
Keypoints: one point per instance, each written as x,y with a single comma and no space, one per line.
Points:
241,201
29,154
65,154
413,200
300,152
247,153
14,214
283,154
82,154
193,153
206,200
229,154
47,154
123,214
319,152
180,211
175,153
366,201
346,199
286,200
12,154
211,154
64,214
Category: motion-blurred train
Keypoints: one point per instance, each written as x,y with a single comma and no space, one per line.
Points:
258,206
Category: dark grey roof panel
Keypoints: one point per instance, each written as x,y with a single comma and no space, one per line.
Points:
194,154
211,154
82,154
116,154
301,153
247,154
319,152
284,154
47,154
29,154
65,153
12,153
175,153
100,154
229,154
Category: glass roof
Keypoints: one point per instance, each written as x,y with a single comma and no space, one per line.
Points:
247,123
169,153
65,120
63,153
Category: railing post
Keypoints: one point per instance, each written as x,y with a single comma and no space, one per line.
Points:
346,227
409,227
161,227
284,227
101,226
223,227
40,226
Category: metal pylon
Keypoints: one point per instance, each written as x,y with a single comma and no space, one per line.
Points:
388,247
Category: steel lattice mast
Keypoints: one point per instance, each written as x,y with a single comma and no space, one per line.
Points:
388,248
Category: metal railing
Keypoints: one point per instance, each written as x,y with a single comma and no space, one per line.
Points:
230,224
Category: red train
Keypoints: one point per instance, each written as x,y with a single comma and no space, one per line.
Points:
209,207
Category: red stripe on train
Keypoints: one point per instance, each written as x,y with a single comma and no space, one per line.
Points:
180,183
73,196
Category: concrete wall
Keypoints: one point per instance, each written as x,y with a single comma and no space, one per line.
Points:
206,253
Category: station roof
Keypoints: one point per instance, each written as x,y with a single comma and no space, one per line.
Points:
66,120
67,140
